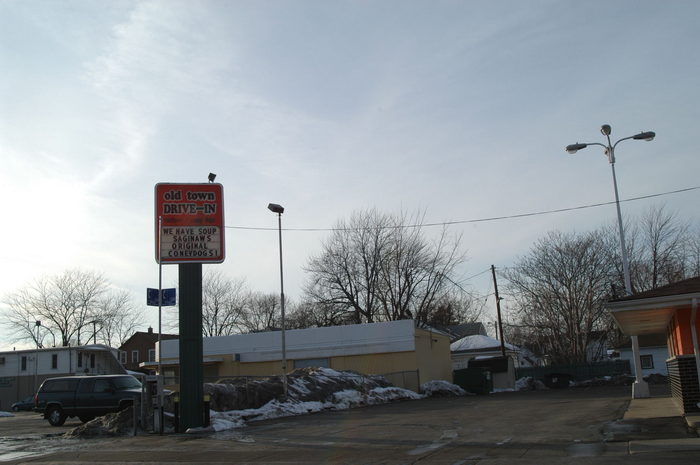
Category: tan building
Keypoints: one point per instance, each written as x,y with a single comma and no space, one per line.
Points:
407,356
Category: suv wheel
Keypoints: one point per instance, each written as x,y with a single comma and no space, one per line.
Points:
55,416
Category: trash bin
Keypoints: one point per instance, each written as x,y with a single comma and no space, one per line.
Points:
557,380
474,380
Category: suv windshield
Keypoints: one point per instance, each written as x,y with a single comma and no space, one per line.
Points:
126,382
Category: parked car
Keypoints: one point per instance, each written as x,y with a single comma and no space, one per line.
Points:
85,397
25,404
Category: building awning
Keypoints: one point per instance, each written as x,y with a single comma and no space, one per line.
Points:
638,314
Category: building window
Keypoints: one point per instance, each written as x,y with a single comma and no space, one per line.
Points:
122,356
647,361
80,359
92,360
24,363
54,361
134,356
151,355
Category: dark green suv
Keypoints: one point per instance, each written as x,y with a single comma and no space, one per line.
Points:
85,397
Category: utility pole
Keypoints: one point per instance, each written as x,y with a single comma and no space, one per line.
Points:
498,310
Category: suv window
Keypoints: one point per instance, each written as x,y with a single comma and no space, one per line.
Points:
87,385
60,385
127,382
102,385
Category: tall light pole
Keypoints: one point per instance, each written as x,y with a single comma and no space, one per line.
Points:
279,209
37,323
640,387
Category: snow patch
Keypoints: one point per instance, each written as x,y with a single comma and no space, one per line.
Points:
442,388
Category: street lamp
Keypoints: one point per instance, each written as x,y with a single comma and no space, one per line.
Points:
640,387
37,323
279,209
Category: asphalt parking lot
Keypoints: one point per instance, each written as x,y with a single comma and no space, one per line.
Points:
539,427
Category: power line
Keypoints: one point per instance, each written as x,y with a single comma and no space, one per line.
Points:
477,220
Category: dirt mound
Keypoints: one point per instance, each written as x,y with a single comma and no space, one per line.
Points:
112,424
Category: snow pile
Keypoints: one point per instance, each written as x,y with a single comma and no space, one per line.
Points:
275,409
6,414
529,383
440,388
304,385
619,380
478,341
314,390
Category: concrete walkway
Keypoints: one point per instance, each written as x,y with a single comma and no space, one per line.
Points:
654,423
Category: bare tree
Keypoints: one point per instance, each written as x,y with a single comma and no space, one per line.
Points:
223,304
693,252
117,318
376,268
262,313
659,248
453,309
347,271
558,290
64,304
415,273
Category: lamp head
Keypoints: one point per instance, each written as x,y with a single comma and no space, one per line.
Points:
647,136
212,176
275,208
605,129
573,148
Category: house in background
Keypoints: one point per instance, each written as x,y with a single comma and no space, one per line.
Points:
653,353
140,347
670,310
23,371
403,353
479,350
478,346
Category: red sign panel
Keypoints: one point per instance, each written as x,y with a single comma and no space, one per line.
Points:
191,218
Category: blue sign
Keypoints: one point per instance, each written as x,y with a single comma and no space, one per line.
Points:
168,296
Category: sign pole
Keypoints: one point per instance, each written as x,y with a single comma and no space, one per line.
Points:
191,346
160,381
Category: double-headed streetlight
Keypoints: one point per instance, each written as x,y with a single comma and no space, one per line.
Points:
279,209
640,387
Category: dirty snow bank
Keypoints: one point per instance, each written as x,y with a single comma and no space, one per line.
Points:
440,388
340,400
529,383
6,414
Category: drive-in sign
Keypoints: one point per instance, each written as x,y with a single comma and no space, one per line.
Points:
191,218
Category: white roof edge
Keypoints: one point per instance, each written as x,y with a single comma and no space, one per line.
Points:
652,302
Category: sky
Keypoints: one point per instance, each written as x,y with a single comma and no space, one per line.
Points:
457,109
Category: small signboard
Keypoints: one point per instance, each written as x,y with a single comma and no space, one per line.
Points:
168,297
192,223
